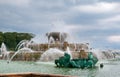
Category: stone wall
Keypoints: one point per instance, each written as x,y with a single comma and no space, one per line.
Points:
27,56
32,75
35,56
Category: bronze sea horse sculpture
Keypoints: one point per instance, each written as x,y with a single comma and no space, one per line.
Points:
88,62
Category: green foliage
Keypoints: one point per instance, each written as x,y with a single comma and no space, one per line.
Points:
1,38
11,39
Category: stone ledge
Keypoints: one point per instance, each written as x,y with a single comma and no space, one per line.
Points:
32,75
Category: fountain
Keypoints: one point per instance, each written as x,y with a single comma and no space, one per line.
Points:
64,54
22,47
56,47
51,54
69,52
58,55
23,43
106,54
54,53
4,53
63,58
57,36
51,40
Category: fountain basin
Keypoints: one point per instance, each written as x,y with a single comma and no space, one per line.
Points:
19,67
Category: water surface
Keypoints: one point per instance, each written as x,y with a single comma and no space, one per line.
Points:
111,68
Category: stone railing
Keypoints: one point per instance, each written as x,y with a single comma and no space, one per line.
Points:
32,75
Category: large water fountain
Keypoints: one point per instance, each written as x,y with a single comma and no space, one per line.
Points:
56,47
53,50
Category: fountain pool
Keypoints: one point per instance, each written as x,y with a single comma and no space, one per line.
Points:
111,68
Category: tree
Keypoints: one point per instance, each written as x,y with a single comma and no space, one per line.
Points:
1,38
11,39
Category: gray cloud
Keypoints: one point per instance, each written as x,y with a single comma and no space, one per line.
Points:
87,20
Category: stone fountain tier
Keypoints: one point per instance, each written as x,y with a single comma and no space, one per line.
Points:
45,46
25,56
57,36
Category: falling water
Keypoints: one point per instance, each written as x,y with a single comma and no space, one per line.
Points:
4,51
54,53
51,41
22,50
22,47
51,54
68,51
3,47
103,54
23,43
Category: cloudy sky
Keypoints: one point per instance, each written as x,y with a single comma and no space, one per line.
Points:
93,21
